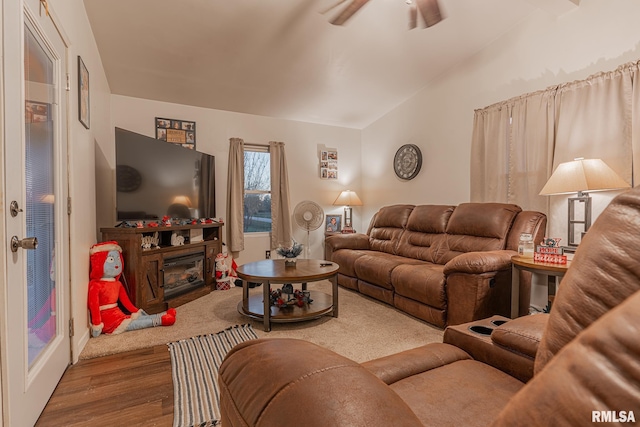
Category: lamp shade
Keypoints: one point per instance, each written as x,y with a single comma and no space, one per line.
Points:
182,200
583,175
348,198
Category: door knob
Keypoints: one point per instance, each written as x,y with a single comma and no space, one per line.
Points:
26,243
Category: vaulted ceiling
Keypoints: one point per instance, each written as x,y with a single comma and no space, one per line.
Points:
282,58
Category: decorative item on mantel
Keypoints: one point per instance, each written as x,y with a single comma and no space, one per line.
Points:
550,251
290,253
177,239
150,241
167,221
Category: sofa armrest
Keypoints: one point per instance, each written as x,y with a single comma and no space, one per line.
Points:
289,382
396,367
345,241
480,262
348,241
521,335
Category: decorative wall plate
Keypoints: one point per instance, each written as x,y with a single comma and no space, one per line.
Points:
407,161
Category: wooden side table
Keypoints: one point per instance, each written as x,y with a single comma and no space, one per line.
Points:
519,263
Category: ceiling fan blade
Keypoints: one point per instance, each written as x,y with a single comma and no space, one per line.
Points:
413,17
336,4
430,11
348,12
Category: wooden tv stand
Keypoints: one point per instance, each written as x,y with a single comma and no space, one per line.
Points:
144,268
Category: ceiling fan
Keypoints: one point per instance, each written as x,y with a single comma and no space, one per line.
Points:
429,11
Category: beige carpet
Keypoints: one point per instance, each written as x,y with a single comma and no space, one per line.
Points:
365,329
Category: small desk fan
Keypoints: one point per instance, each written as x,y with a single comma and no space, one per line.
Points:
309,216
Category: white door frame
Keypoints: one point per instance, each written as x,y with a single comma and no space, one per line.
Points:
10,9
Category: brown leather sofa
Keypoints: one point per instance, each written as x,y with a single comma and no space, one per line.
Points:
442,264
586,365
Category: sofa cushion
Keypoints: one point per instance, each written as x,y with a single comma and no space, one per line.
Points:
430,218
387,227
422,282
464,393
376,267
346,259
477,227
424,233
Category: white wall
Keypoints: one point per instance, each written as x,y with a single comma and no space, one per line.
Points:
540,52
303,142
81,157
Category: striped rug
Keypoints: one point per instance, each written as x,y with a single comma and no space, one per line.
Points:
194,365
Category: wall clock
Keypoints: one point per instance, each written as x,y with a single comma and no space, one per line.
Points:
127,178
407,161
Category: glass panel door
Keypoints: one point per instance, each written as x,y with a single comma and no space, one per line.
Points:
39,196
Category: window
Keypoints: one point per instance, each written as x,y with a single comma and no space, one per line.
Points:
257,190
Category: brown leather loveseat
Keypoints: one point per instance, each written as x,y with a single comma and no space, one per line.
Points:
442,264
586,367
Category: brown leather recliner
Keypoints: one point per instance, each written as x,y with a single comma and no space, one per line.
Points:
586,368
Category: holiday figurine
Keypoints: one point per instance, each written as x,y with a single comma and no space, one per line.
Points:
106,293
225,270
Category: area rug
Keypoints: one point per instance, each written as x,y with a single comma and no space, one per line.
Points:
366,328
194,368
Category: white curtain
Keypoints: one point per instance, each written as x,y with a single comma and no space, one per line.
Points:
235,196
531,149
516,144
280,210
489,161
593,120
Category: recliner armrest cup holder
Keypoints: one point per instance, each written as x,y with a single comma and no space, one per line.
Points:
481,330
498,322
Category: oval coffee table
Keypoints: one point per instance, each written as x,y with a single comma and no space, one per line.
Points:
273,271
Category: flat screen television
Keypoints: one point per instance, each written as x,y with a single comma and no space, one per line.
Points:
155,178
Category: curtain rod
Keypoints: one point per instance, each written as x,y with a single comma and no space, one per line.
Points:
248,144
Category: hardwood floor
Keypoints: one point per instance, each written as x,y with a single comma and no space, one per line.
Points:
133,388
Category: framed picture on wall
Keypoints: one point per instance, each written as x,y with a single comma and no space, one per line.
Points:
329,164
181,132
333,223
84,107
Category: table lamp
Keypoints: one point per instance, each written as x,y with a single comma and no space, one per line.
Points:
581,176
348,198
